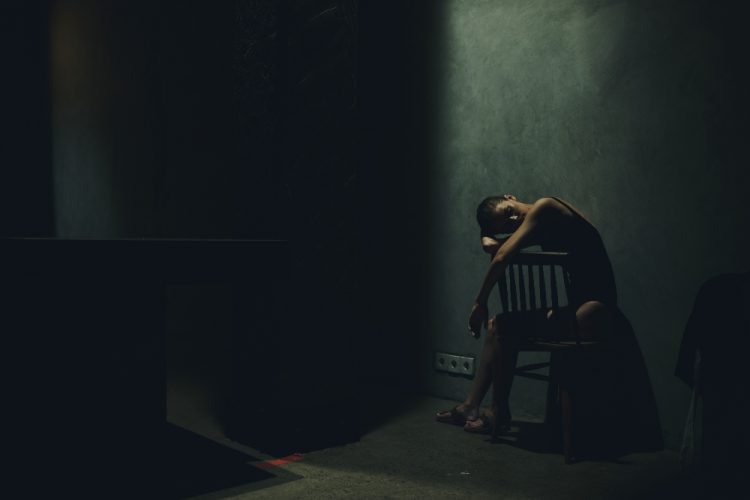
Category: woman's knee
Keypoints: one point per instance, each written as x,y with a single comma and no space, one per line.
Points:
499,333
593,319
491,329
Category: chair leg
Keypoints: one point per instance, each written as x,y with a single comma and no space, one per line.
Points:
566,407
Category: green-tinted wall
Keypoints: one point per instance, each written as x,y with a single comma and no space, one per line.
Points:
626,109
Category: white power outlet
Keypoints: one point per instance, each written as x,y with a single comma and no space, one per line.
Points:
453,363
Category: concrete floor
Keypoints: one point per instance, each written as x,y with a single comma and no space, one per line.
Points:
412,456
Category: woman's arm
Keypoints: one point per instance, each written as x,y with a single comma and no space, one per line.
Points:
526,235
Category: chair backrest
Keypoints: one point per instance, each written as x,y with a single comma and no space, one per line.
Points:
535,280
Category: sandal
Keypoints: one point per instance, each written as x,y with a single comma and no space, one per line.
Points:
480,425
485,424
454,416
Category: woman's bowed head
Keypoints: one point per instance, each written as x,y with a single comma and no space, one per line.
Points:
501,214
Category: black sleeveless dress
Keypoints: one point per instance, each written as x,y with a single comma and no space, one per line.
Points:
591,272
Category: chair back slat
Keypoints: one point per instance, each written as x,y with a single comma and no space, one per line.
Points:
545,273
513,292
553,287
566,278
532,288
503,285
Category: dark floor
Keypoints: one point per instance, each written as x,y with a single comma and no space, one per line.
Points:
411,456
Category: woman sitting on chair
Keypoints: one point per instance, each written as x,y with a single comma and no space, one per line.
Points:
556,226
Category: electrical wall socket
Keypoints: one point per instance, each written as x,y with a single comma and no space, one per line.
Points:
453,363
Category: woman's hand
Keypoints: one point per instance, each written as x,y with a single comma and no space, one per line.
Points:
477,319
492,245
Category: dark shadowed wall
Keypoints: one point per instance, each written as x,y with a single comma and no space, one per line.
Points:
142,120
26,140
221,120
630,110
399,44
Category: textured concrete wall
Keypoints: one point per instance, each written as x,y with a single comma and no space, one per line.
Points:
624,109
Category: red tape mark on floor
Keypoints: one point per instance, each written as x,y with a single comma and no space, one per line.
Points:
296,457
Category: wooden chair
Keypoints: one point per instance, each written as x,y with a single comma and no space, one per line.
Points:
535,282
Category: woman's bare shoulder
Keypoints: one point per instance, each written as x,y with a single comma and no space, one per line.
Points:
548,205
556,205
546,201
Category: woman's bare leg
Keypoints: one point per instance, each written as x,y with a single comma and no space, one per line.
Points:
507,345
486,367
504,349
484,374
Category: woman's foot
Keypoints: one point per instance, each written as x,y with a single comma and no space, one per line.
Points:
487,424
480,425
458,415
